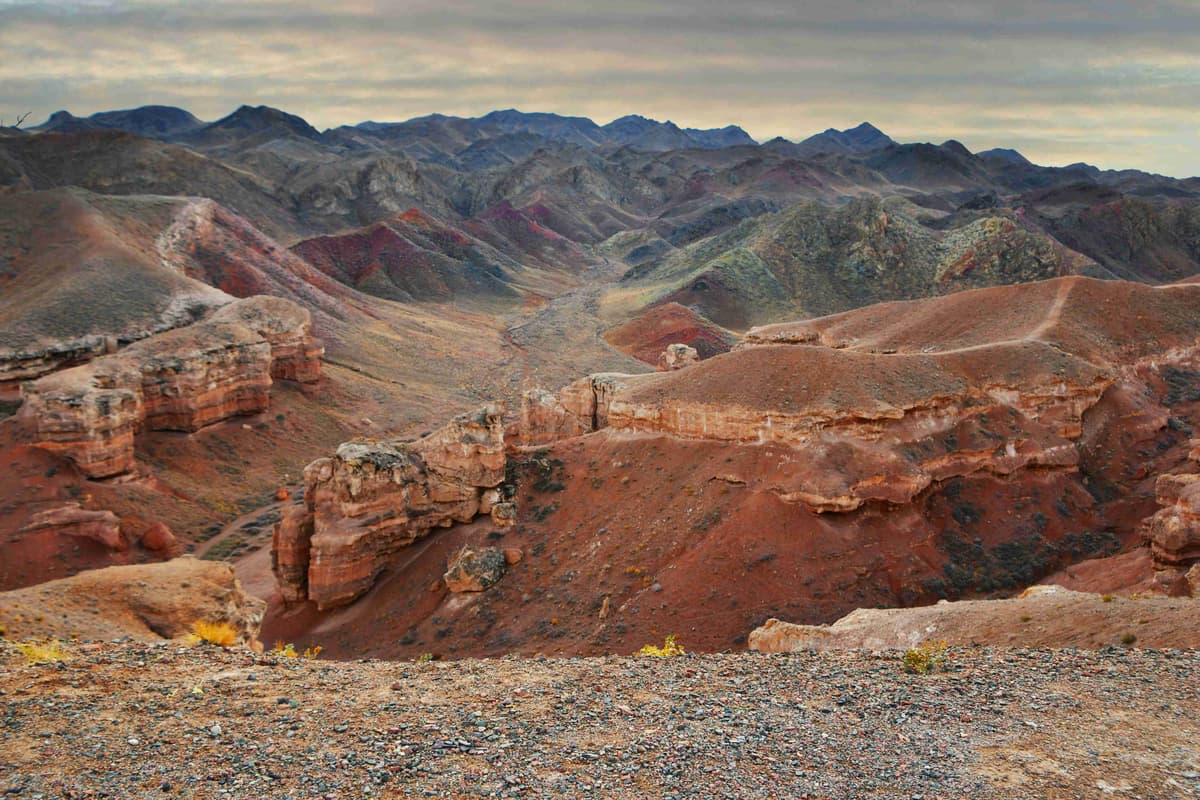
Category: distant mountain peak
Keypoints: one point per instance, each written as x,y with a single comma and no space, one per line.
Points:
1005,154
863,138
260,118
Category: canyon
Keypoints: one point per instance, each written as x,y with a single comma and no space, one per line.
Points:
676,381
958,466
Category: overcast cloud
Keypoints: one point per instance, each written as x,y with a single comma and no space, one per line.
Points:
1113,83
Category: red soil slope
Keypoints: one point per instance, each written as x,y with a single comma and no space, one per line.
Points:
646,336
964,446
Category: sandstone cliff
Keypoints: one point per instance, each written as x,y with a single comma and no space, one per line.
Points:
183,379
1173,533
371,499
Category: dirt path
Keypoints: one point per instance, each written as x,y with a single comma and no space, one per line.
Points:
238,525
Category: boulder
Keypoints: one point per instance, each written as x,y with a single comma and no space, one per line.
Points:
677,356
158,538
475,570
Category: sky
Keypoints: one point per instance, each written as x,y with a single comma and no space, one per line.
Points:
1116,84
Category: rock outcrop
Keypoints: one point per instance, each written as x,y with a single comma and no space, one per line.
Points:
184,379
1173,533
579,407
475,570
1043,616
371,499
147,602
677,356
72,520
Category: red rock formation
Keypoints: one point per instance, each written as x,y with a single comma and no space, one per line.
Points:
677,356
183,379
72,520
647,335
966,445
371,499
158,538
1173,533
579,407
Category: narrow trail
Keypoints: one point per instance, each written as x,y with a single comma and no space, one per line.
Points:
1054,315
236,525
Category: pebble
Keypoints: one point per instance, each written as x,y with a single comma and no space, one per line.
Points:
806,725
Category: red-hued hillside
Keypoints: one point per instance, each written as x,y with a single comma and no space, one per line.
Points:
958,447
646,336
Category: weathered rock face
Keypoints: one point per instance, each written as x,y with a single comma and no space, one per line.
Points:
580,407
1174,532
72,520
677,356
183,379
148,602
372,498
475,570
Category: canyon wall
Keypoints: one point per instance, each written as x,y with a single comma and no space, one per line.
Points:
370,499
183,379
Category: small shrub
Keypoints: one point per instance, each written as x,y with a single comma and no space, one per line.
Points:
925,658
1128,639
669,648
45,651
219,633
424,658
1107,598
289,650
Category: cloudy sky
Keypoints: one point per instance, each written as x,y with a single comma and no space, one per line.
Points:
1113,83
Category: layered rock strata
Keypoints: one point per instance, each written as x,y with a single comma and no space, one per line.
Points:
184,379
370,499
579,407
1173,533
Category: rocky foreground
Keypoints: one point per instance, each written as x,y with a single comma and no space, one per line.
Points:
164,720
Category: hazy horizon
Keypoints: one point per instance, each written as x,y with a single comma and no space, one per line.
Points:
1098,81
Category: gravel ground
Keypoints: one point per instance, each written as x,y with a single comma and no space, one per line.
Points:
125,720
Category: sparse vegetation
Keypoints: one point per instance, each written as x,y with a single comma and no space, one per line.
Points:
670,648
41,651
221,634
289,650
925,658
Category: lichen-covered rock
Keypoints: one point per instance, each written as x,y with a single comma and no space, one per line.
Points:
475,570
677,356
183,379
371,499
504,514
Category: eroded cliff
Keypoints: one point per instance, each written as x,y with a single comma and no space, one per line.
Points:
183,379
371,499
